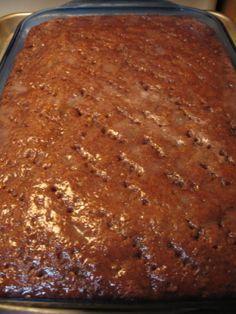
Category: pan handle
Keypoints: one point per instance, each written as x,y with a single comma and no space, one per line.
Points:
120,3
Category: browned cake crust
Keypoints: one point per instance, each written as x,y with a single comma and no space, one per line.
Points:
117,171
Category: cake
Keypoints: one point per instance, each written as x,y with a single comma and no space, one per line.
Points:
117,162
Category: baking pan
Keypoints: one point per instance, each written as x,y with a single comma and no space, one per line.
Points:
10,22
79,8
112,7
229,25
8,25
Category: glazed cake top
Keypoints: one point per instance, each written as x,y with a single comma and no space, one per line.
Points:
117,161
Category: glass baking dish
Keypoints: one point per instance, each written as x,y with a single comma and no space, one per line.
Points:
114,7
117,7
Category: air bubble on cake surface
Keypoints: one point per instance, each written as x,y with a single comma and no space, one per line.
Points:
196,230
85,154
221,154
175,178
200,139
142,196
193,117
172,136
129,132
100,173
182,254
114,134
126,114
132,165
149,94
225,182
73,203
210,170
165,131
226,157
147,140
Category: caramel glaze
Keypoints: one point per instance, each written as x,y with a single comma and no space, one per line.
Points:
117,162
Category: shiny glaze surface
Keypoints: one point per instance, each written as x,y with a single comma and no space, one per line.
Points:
117,162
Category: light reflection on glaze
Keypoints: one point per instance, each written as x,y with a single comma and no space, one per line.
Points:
78,230
41,209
